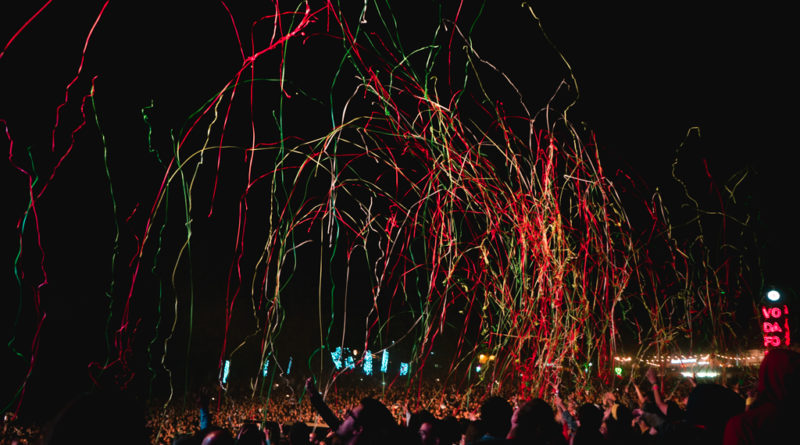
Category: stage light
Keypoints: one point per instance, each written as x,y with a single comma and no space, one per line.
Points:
368,362
385,361
336,355
225,370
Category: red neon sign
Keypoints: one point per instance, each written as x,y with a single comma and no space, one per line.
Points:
775,327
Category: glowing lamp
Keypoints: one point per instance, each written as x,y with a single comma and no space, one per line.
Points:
773,296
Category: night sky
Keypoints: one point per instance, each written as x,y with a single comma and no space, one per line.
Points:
711,88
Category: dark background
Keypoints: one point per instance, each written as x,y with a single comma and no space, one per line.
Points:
646,73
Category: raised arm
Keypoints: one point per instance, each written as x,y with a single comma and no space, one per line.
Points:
651,377
566,417
322,408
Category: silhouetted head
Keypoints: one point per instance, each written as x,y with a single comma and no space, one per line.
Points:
533,421
250,434
449,430
496,415
299,434
418,418
590,416
368,423
709,408
779,377
619,422
430,432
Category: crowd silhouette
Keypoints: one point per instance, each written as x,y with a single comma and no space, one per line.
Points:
706,413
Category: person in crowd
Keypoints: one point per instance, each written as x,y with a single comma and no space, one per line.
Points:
496,415
473,431
315,398
430,431
658,398
369,423
534,423
618,422
590,418
414,421
708,409
250,434
449,431
569,425
299,434
772,417
272,431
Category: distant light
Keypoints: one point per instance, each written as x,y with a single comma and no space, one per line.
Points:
225,370
478,368
288,368
355,352
336,355
773,295
385,361
367,362
266,368
701,375
618,370
403,368
350,362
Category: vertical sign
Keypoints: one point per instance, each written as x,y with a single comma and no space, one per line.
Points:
775,326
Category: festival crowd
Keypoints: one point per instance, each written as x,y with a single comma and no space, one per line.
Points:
692,413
